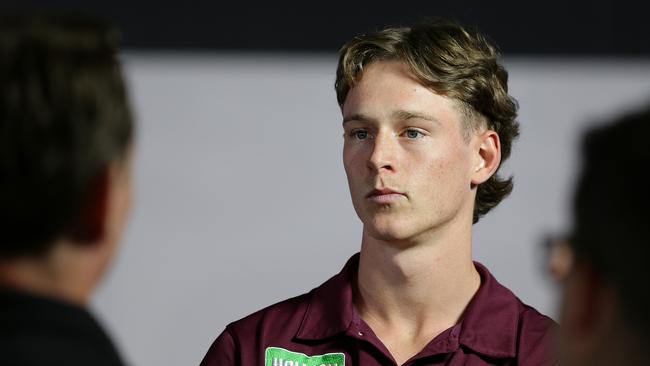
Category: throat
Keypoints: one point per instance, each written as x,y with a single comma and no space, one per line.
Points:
406,313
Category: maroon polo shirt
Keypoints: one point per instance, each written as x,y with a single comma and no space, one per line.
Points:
322,327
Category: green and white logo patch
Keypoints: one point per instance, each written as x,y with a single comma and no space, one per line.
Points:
276,356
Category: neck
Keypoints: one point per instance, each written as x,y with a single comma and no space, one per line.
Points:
65,273
421,289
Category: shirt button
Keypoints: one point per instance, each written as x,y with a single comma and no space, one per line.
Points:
360,334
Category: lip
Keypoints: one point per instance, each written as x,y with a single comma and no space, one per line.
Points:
384,195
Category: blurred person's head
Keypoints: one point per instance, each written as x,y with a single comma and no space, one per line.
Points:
65,143
606,296
456,63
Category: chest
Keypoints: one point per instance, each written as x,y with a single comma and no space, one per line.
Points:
362,352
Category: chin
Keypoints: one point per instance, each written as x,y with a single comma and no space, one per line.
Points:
389,230
403,230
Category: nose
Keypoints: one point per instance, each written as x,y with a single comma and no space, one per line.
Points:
383,151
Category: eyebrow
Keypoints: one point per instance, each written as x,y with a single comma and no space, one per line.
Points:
403,115
407,115
356,117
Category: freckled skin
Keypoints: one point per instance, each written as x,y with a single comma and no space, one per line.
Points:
433,170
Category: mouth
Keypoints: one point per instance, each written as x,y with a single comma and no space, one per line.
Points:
385,195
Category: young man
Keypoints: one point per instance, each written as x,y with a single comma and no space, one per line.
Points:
65,186
604,312
427,121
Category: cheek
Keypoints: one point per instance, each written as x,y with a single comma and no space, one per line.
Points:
349,166
458,165
353,161
447,168
445,179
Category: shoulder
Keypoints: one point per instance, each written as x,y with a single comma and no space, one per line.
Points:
35,330
500,324
243,341
290,324
283,315
534,323
497,301
536,334
35,346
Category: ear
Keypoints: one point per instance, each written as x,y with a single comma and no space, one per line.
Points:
90,225
487,158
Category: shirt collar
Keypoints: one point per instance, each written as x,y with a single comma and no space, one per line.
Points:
489,326
490,323
330,308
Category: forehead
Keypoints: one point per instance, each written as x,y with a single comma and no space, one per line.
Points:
386,87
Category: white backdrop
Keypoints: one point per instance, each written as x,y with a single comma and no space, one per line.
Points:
241,197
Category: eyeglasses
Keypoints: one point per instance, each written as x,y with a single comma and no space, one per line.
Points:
559,257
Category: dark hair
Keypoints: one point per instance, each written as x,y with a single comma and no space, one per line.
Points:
611,211
451,61
64,116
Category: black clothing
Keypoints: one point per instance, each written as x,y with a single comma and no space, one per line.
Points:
41,331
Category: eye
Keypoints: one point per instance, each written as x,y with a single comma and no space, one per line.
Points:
413,134
359,134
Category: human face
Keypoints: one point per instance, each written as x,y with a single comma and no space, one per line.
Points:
409,165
